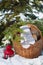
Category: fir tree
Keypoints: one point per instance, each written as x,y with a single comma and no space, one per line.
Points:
11,9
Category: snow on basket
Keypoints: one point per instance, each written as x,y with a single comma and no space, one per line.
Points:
31,44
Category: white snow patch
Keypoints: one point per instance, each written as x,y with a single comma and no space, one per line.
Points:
31,0
8,12
34,10
22,16
41,2
1,17
27,37
17,0
4,20
39,15
30,3
16,59
0,13
6,42
27,12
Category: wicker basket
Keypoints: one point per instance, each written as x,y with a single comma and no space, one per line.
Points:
34,50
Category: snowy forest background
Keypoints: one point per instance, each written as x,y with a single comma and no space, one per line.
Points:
14,13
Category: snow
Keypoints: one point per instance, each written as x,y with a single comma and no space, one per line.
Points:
22,17
41,2
4,20
34,10
1,17
0,13
16,59
25,46
30,3
39,15
6,42
17,1
7,12
27,37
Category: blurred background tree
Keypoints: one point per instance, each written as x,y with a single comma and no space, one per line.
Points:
13,12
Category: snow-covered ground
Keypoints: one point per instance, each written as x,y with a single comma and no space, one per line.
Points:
16,59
